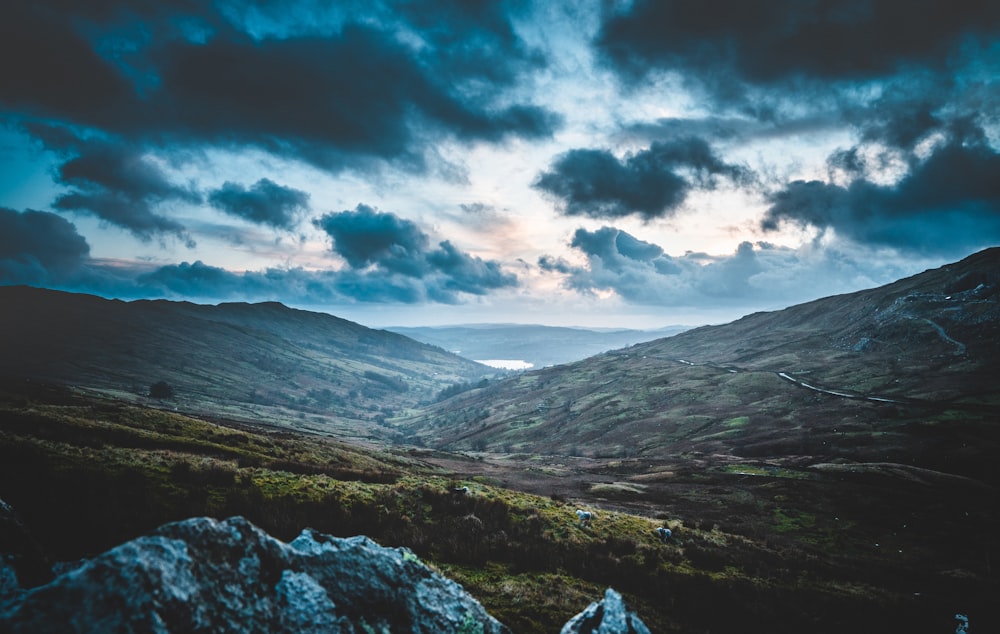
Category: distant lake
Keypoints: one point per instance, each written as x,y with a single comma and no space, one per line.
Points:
506,364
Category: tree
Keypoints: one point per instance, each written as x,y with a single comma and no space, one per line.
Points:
161,389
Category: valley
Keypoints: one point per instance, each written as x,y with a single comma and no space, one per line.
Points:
824,468
533,346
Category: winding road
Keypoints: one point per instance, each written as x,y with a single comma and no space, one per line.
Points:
860,397
803,384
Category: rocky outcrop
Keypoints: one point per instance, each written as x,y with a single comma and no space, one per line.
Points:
608,616
205,575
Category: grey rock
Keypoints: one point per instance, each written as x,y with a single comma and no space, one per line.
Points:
205,575
608,616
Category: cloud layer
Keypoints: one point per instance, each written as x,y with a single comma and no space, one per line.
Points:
167,72
264,202
755,276
107,84
390,253
650,183
645,153
947,202
724,41
37,247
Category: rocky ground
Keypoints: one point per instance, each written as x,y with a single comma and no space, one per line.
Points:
207,575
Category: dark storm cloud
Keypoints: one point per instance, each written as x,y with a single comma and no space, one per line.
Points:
390,261
636,249
366,236
894,72
948,202
651,183
199,280
595,183
466,273
117,183
362,92
123,170
640,272
616,248
473,38
382,245
900,123
754,277
905,79
766,43
732,129
38,247
49,68
164,73
910,109
135,215
264,202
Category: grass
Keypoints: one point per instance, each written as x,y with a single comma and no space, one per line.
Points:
614,489
765,470
113,471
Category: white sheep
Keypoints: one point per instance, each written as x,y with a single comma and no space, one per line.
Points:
460,490
664,533
584,516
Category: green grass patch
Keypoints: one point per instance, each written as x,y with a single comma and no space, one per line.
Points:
737,422
616,489
765,470
790,520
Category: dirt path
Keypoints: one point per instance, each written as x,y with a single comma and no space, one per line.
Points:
959,346
860,397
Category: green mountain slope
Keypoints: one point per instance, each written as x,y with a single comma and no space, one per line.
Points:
261,362
904,373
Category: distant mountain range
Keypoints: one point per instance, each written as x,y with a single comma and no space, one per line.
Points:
905,373
264,363
537,346
872,374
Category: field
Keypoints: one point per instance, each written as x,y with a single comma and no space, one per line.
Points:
821,549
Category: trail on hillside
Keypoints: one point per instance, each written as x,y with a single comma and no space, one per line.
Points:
803,384
861,397
959,346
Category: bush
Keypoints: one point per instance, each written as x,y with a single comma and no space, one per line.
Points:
161,389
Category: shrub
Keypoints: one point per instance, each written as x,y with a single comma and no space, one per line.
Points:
161,389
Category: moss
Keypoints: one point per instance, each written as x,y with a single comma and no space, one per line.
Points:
616,489
470,625
790,520
737,422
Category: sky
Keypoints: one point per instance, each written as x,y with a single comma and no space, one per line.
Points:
613,164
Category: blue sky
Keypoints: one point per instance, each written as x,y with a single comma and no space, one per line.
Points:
632,164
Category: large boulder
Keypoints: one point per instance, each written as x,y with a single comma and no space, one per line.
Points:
205,575
608,616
